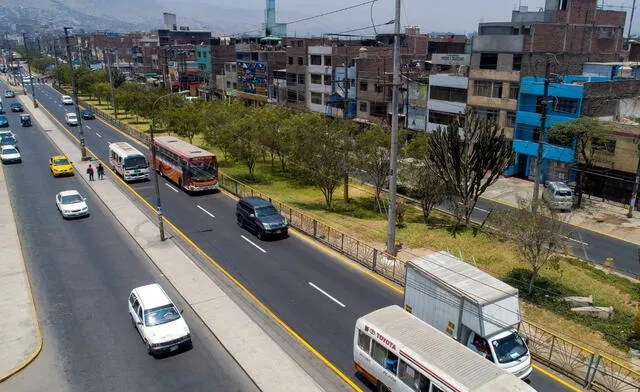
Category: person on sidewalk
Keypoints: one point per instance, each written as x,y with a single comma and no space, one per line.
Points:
100,169
90,172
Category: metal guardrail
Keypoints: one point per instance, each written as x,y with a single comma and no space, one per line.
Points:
592,371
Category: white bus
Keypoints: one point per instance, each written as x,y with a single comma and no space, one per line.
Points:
130,163
396,351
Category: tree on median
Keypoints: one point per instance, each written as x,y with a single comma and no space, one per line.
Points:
539,236
247,130
372,158
101,90
469,155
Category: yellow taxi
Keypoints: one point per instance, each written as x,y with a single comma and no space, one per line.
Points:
60,166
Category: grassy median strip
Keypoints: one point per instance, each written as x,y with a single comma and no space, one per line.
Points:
360,219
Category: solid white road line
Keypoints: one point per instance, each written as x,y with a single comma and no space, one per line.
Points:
98,135
172,188
88,127
327,294
252,243
576,241
206,212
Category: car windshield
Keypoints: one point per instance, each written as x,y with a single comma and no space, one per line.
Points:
9,151
509,348
202,170
71,199
135,162
71,115
3,118
160,315
8,141
265,211
563,193
60,162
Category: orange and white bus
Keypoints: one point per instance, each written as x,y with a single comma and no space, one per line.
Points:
398,352
191,167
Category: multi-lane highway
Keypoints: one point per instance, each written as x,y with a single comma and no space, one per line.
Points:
317,295
81,272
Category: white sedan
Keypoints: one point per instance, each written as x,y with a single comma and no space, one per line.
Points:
10,154
67,100
71,119
71,204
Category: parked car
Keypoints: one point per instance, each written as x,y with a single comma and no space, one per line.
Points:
9,94
6,132
4,122
87,114
10,154
16,107
59,165
261,217
66,100
71,119
558,196
71,204
157,319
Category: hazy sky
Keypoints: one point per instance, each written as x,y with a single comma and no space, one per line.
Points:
459,16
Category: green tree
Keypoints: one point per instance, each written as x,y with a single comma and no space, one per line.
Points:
217,130
274,138
469,155
40,64
101,90
287,131
591,137
186,120
62,74
247,130
539,236
421,181
321,149
371,156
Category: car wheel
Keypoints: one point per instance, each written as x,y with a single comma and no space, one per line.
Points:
149,349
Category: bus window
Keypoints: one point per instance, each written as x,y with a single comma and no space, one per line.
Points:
378,353
412,378
364,341
436,389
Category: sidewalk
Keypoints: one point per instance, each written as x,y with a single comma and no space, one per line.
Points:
20,336
256,352
595,214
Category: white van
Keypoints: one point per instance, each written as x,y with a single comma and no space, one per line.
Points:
127,161
558,196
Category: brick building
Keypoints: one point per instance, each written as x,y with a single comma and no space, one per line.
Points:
576,31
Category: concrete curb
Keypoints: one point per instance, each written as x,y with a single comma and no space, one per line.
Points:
4,191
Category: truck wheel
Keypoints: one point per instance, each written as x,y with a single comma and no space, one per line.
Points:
383,388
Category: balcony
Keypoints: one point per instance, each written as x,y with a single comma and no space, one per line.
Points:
533,119
498,43
550,151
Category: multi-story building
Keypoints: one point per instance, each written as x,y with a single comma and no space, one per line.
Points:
575,31
257,59
319,77
447,97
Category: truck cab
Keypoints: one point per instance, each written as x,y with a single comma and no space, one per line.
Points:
506,349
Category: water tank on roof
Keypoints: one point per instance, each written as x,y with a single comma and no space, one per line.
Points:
624,72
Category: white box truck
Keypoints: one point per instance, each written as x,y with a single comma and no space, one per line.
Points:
469,305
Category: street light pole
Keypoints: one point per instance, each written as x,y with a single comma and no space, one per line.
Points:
152,130
393,153
74,87
543,126
26,51
113,93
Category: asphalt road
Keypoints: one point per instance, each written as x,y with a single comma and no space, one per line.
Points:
315,294
81,272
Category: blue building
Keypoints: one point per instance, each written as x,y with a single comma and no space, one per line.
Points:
566,95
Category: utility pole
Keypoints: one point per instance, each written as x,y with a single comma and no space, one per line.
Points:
543,126
74,87
344,116
113,93
26,51
393,155
634,194
633,8
55,49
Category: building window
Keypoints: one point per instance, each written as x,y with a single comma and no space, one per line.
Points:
514,90
316,59
566,105
316,79
482,88
228,84
379,88
327,60
291,60
300,61
442,118
364,85
450,94
364,107
497,90
291,79
327,80
316,98
490,115
511,120
517,61
301,79
488,61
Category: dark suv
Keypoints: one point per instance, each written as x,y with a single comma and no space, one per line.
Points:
260,216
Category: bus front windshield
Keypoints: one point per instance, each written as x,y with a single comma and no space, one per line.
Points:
135,162
203,170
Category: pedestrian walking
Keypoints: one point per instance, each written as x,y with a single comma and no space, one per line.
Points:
90,172
100,169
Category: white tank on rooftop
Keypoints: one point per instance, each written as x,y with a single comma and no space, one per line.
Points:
624,72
